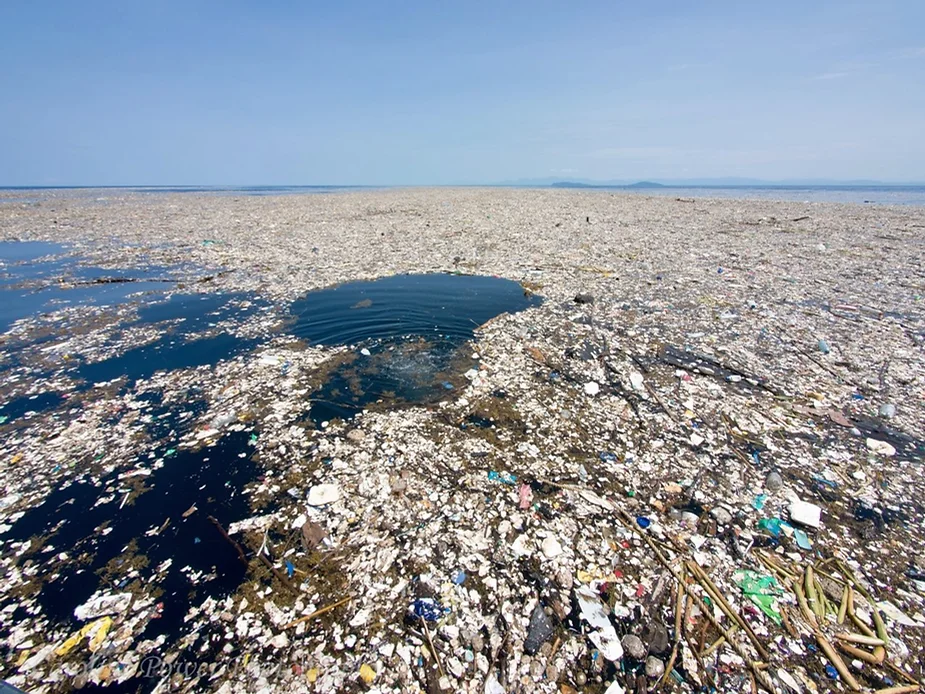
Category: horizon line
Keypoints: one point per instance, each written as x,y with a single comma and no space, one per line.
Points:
520,183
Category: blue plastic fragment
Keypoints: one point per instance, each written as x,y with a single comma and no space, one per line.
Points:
643,521
503,477
802,539
826,483
459,578
831,671
758,503
608,457
447,385
427,609
290,569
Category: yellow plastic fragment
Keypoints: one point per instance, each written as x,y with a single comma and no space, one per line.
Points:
99,629
367,674
103,629
69,644
312,675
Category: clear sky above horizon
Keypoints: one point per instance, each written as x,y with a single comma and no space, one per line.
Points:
237,93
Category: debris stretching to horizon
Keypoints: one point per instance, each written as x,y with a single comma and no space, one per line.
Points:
696,463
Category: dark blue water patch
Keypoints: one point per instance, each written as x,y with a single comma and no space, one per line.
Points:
410,333
19,407
440,307
168,353
211,479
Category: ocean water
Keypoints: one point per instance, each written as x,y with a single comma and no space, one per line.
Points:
860,195
409,333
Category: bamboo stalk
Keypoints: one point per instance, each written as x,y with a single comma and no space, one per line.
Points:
859,623
843,607
318,613
812,597
716,644
861,654
727,608
875,613
860,638
804,608
678,629
899,689
839,664
760,675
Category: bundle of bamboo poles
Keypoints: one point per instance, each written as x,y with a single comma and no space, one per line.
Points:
867,644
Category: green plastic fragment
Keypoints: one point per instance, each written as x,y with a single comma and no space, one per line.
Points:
763,591
771,525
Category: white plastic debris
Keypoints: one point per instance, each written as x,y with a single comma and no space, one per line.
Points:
323,494
604,635
637,381
551,547
592,388
881,448
100,605
805,513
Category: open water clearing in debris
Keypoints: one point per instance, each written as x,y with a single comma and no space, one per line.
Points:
409,334
99,530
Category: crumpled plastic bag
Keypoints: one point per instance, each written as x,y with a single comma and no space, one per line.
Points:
761,590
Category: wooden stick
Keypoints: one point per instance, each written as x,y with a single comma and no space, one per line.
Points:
319,612
899,689
279,577
890,665
727,608
860,638
785,618
432,649
241,555
760,675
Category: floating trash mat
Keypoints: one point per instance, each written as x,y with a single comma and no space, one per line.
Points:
410,334
96,546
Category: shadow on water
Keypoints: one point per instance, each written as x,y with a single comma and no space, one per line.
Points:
69,519
412,331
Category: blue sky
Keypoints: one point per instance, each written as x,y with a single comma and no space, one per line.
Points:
239,92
